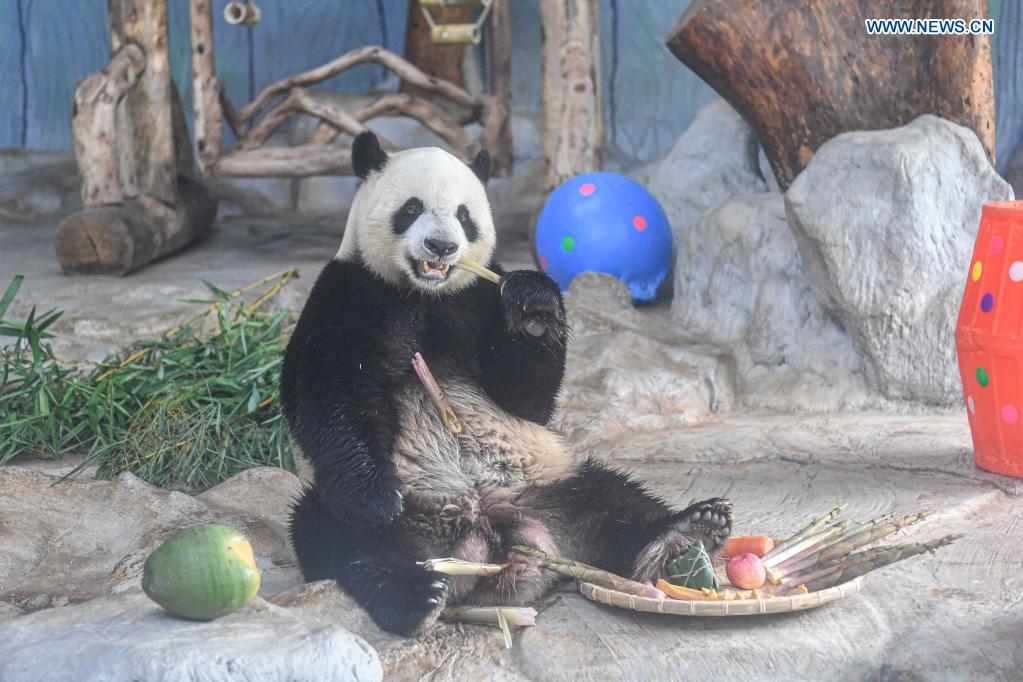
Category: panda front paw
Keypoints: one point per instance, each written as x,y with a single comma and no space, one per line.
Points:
709,521
409,602
533,305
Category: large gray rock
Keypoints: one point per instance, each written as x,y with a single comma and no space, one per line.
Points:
630,371
715,158
128,637
741,287
886,222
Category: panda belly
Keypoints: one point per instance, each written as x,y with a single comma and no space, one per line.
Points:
461,490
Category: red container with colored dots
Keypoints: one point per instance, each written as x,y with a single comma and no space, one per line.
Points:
989,340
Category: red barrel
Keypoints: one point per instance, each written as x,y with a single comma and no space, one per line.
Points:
989,340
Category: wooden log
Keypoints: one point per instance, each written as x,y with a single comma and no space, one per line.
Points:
145,115
207,89
802,72
116,239
499,139
363,55
298,161
573,133
93,125
441,61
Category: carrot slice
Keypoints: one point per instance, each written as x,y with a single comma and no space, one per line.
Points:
743,544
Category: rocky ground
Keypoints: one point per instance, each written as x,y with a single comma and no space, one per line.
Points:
804,360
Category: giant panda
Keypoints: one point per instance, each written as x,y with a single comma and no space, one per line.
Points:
392,486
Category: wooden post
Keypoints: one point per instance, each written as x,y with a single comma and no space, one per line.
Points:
802,72
206,88
94,130
443,61
500,84
139,202
573,135
148,120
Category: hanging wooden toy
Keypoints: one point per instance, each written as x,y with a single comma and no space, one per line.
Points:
455,34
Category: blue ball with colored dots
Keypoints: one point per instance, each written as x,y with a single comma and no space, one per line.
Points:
605,222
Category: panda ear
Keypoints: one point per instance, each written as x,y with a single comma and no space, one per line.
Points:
367,156
481,166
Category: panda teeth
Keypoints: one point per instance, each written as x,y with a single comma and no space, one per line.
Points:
434,268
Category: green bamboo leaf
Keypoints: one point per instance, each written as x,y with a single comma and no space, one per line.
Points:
43,401
10,293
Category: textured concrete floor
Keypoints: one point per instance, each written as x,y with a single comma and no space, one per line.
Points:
955,615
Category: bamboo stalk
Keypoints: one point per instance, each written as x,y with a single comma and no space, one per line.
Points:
590,574
453,566
477,269
850,541
433,389
504,617
282,278
859,564
808,542
812,527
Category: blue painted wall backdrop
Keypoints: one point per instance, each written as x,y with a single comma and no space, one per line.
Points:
46,46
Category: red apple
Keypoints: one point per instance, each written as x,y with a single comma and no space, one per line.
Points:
746,571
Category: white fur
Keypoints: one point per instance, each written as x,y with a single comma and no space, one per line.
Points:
442,182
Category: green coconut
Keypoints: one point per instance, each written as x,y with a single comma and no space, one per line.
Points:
202,573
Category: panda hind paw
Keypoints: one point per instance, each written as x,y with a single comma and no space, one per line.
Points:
411,605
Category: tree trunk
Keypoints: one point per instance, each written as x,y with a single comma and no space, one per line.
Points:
206,87
500,84
94,128
132,149
573,134
146,114
802,72
443,61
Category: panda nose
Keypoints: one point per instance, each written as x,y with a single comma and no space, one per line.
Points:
440,247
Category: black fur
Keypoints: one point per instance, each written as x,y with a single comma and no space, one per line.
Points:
346,362
409,212
481,166
367,156
472,232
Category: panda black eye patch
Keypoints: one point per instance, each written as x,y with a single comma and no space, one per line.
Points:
403,218
469,227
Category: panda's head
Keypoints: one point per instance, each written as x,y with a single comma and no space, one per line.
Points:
417,213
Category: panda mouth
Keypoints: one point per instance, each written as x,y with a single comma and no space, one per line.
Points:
431,270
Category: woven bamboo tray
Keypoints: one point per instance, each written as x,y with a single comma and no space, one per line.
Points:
735,607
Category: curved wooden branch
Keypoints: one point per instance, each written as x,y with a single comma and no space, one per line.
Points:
427,113
272,120
231,114
334,117
369,54
300,100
